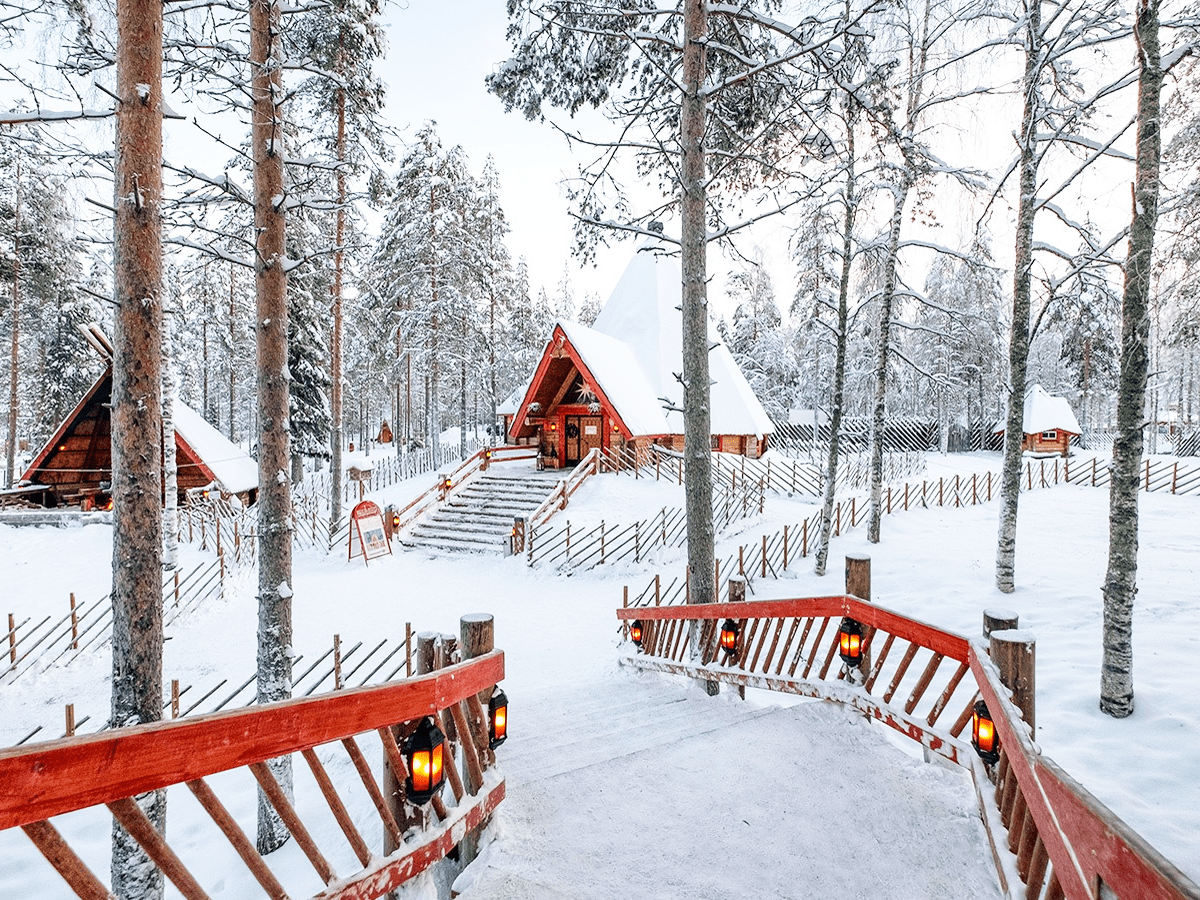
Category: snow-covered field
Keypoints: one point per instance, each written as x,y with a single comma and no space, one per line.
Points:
559,631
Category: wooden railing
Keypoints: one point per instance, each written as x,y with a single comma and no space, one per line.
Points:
923,682
559,497
112,768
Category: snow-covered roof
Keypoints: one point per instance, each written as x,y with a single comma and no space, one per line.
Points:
621,377
512,402
1044,412
235,471
643,312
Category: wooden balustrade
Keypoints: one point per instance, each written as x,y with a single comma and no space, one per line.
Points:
923,682
113,767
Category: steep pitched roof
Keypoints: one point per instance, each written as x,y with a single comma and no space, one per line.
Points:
231,467
644,312
1044,412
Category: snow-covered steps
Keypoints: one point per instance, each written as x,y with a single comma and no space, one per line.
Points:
644,787
479,516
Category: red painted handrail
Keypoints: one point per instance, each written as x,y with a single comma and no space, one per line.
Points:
73,773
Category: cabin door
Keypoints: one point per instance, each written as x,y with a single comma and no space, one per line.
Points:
582,434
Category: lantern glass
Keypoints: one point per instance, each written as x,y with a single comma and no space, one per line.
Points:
425,749
730,632
983,734
497,718
635,631
850,637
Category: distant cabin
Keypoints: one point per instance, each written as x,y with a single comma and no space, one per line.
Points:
613,386
74,468
1049,423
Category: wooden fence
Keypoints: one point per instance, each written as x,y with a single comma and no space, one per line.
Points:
110,769
88,625
899,433
923,682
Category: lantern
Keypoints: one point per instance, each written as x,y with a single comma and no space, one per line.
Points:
635,631
395,522
497,718
423,751
730,632
850,642
983,734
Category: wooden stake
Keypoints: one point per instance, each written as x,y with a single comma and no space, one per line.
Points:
1014,653
177,587
804,544
12,641
741,560
337,662
408,634
657,591
174,698
998,620
70,710
764,556
477,636
75,623
785,547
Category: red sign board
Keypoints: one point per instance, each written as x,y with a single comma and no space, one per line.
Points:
366,528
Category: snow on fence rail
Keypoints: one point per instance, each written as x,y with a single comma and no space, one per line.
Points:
1045,829
36,647
111,768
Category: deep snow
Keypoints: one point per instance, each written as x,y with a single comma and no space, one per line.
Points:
560,636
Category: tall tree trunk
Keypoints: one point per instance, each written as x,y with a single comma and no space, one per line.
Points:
335,342
232,351
839,367
14,368
271,328
1018,344
883,353
170,470
697,416
1120,581
137,637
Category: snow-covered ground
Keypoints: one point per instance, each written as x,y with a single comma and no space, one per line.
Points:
560,636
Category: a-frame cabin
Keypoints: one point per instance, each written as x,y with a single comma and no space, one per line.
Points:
613,385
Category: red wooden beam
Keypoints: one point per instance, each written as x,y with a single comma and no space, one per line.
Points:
60,776
394,871
944,642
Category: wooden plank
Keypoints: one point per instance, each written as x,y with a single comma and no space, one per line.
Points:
470,755
337,807
808,624
879,661
242,844
368,780
816,645
390,873
923,683
66,862
787,645
940,706
905,662
936,639
74,773
141,829
279,800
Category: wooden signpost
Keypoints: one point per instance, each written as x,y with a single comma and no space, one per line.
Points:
366,526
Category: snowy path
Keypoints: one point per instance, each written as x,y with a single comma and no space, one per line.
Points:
644,787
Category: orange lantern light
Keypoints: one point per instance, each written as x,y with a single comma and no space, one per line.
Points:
983,734
730,634
395,522
554,426
424,750
497,718
635,631
850,636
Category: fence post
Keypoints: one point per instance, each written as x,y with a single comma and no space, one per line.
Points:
741,560
637,542
12,642
837,531
804,545
889,500
1175,477
75,621
1093,471
1013,652
1147,476
517,539
737,594
337,662
477,637
601,542
568,540
858,584
989,480
657,591
998,620
174,698
764,556
70,716
785,547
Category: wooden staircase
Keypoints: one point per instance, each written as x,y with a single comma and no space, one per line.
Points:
478,517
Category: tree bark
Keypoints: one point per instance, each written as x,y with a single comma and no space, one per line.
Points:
839,368
697,416
14,369
170,470
335,342
271,329
1018,344
1120,581
136,411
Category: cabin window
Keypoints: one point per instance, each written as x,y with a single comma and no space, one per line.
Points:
1049,435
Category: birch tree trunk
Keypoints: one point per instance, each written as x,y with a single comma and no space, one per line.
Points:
883,353
14,368
271,329
839,367
1120,581
697,416
1018,344
337,437
137,638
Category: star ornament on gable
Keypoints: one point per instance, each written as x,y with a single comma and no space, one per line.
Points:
587,395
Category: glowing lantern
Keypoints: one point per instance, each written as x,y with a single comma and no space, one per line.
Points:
635,631
497,718
983,734
850,642
423,750
730,632
395,522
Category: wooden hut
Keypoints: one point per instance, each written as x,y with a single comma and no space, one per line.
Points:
1049,423
75,465
613,385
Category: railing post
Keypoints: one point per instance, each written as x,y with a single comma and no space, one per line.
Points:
517,540
998,620
477,636
1013,652
737,594
858,584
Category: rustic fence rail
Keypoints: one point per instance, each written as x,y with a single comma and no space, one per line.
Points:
110,769
86,625
923,682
